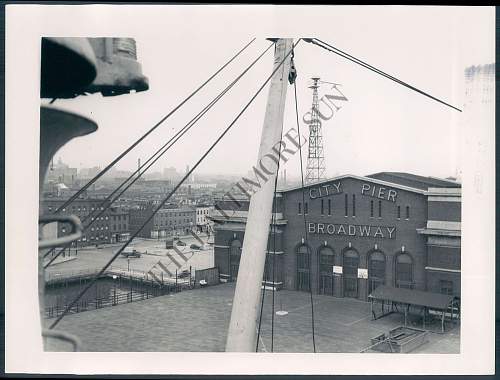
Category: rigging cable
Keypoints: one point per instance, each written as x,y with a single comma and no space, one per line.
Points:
165,148
351,58
275,202
162,203
274,243
126,151
262,296
304,214
272,233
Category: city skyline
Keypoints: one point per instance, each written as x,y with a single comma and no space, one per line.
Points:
434,59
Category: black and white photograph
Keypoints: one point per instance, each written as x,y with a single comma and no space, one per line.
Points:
189,182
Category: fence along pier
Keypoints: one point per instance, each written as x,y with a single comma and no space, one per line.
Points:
128,286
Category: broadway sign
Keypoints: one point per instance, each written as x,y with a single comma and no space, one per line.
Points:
352,230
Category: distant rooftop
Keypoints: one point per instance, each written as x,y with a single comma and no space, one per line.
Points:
488,69
404,181
415,181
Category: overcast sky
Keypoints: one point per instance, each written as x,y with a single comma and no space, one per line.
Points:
382,127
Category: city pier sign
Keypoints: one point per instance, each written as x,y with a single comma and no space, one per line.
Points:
367,189
383,232
325,190
379,192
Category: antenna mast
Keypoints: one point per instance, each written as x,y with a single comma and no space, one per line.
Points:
315,170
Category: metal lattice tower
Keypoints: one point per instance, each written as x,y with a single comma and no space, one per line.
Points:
315,159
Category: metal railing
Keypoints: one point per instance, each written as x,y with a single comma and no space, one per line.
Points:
89,273
148,287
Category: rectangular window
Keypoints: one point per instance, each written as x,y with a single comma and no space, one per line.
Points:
371,209
353,205
322,208
407,212
379,209
300,208
306,208
345,205
329,207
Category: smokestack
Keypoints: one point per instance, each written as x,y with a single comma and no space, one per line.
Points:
189,179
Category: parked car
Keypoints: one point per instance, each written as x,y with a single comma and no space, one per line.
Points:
180,242
185,273
194,246
131,252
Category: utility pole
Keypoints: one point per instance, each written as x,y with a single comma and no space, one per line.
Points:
242,327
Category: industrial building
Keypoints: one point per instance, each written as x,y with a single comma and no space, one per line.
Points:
110,227
352,234
203,221
166,222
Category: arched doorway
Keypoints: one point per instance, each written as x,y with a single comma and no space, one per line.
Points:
234,259
303,268
404,271
326,263
376,270
350,273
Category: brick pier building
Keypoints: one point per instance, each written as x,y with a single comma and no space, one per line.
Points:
396,229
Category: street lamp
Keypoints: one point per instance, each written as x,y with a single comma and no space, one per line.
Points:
63,230
114,289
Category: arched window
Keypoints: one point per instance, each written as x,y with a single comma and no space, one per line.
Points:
303,257
404,271
303,267
234,258
326,261
376,270
350,273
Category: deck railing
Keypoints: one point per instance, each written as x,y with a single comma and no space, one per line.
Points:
147,286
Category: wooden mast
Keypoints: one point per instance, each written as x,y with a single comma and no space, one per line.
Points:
242,328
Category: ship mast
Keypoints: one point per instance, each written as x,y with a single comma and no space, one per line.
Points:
242,328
